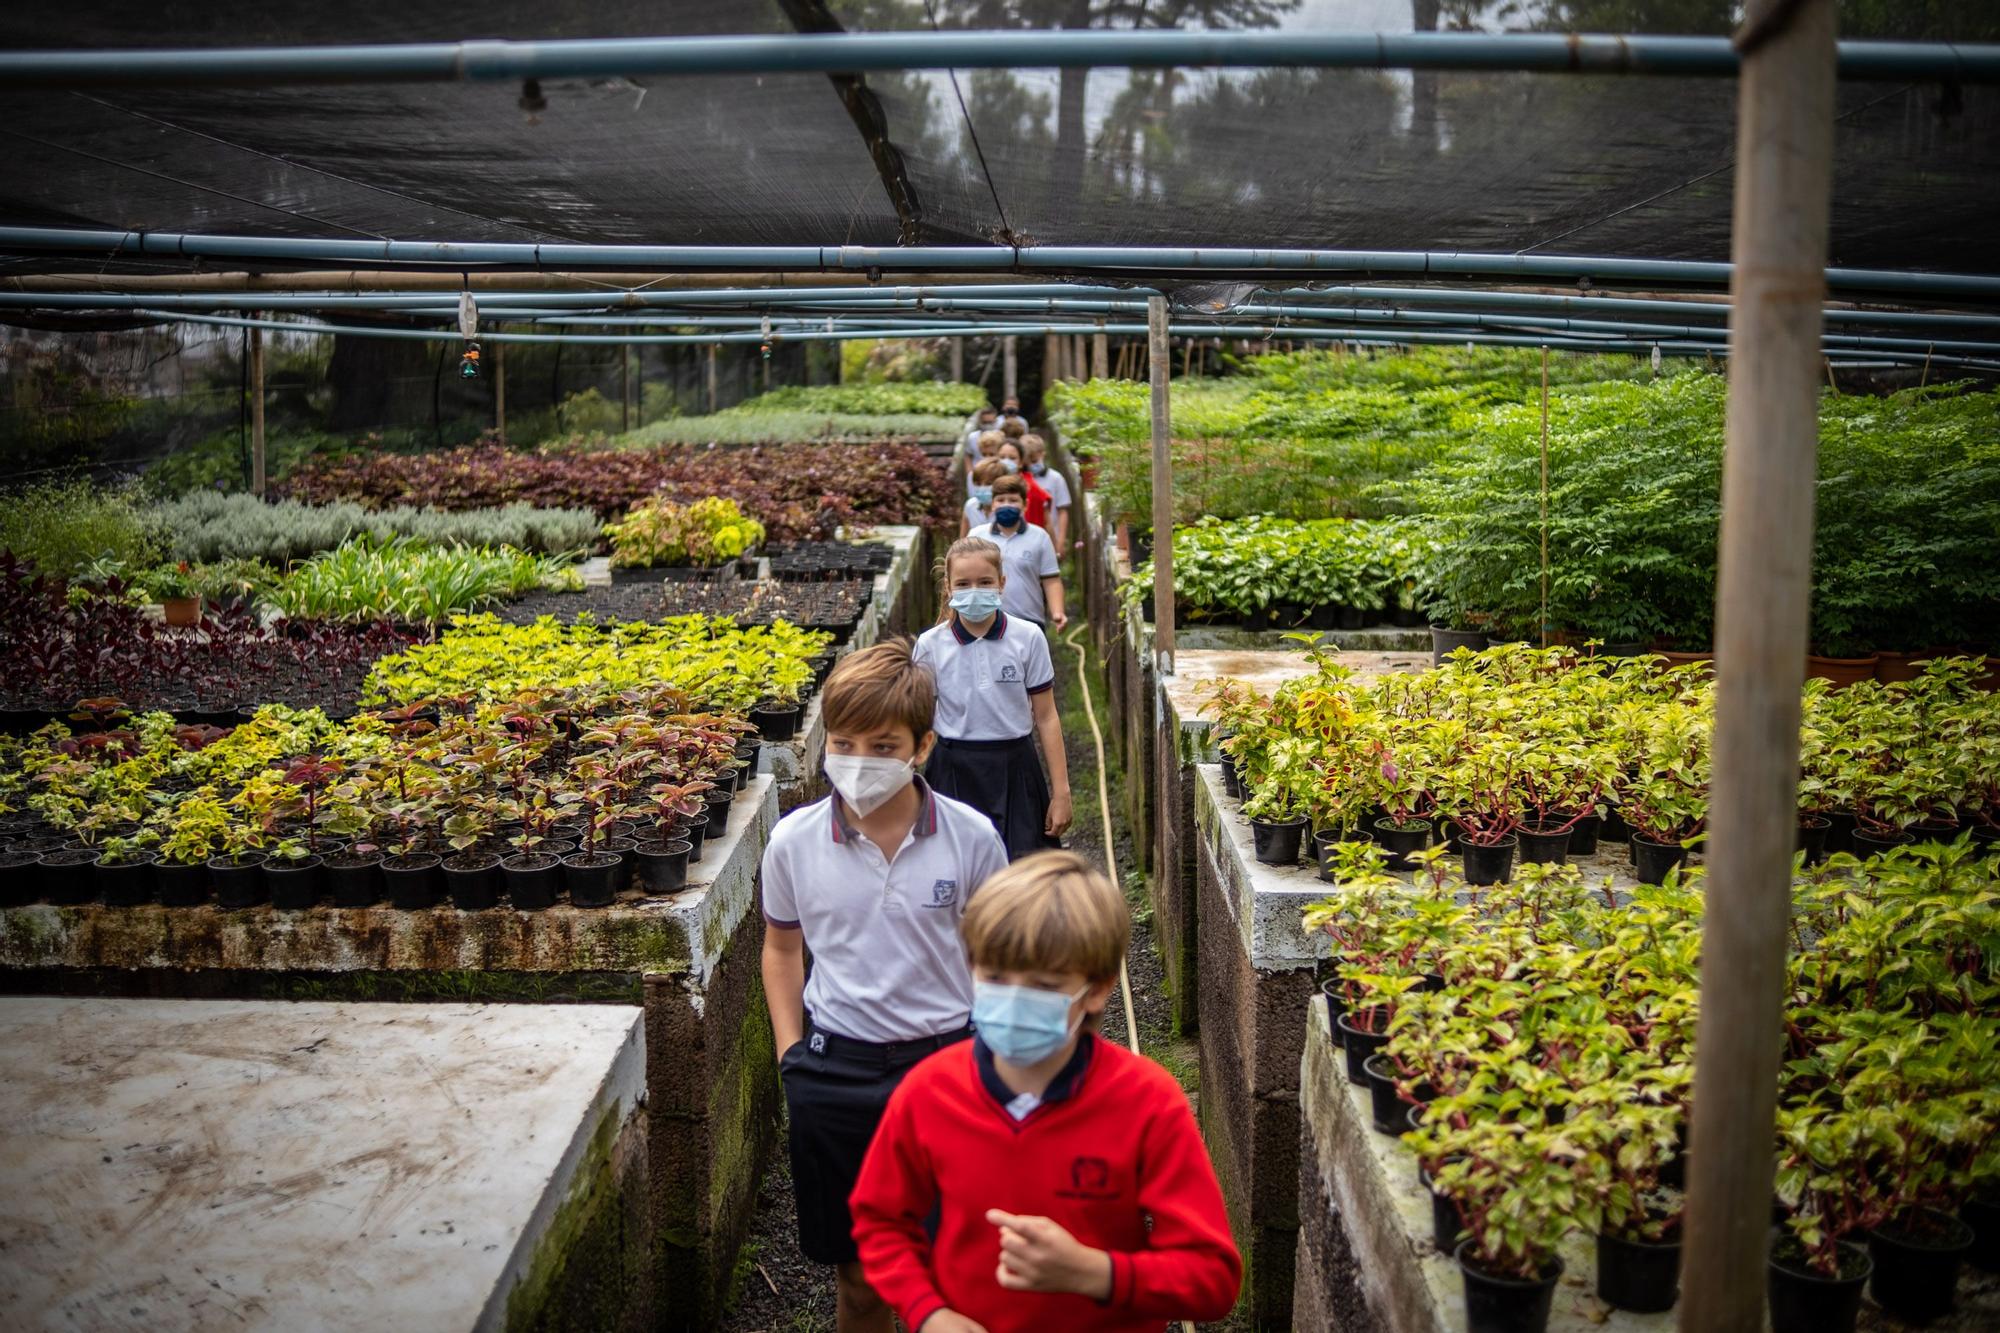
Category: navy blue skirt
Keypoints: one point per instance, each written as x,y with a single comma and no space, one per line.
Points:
1002,780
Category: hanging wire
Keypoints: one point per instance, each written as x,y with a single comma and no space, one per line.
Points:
1006,228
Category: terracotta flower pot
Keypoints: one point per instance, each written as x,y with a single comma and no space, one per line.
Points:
1842,671
182,611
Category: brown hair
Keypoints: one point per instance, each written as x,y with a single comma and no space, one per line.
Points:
978,547
1033,447
1013,426
877,687
1011,483
987,471
1050,912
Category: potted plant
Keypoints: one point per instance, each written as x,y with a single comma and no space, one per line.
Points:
1277,813
124,875
659,538
472,869
532,874
180,598
1512,1181
190,833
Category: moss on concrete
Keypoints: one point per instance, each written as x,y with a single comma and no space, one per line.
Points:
586,1272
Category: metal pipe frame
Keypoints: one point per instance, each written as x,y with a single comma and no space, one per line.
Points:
866,52
1137,262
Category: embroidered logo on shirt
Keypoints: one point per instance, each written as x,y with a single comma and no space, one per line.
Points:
1089,1178
1010,672
943,893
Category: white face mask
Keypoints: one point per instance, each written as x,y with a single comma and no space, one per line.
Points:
866,781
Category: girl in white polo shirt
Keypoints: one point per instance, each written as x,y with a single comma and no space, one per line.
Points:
995,698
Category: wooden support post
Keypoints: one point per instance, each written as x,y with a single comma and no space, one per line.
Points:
1010,367
1051,361
500,392
957,360
1784,151
1100,353
1079,358
1158,365
256,411
714,392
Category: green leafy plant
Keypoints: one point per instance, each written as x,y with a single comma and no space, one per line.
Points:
401,581
660,532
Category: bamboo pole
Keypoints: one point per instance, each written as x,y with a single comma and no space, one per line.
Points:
1051,360
1784,150
957,360
624,388
1100,355
257,411
1010,367
500,391
1158,365
714,392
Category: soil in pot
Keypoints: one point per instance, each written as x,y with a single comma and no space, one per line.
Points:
238,880
776,722
1652,859
1489,863
412,881
1804,1300
1544,844
126,883
354,879
295,884
472,880
591,878
1917,1258
1640,1276
533,879
1359,1045
1812,837
1500,1303
660,868
1402,841
1446,640
1277,840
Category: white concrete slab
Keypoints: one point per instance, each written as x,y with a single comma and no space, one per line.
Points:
190,1164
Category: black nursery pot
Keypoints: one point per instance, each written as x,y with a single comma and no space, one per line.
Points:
1491,863
1544,847
1983,1216
1389,1109
19,877
1874,844
355,881
239,881
472,882
1445,641
776,722
695,833
532,880
1498,1304
1613,828
66,876
1400,843
181,885
1336,1005
126,884
591,878
412,881
1839,831
1323,851
660,868
1359,1046
1637,1276
1805,1301
295,885
1812,837
1445,1221
1583,836
718,812
1277,841
1651,859
1916,1268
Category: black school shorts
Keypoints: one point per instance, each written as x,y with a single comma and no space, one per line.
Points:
836,1089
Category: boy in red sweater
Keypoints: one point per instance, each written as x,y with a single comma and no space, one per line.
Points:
1066,1179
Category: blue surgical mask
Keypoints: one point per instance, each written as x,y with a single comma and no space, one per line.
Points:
1006,516
1039,469
983,494
1023,1024
976,603
1010,465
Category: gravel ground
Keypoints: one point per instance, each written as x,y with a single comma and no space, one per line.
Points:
779,1290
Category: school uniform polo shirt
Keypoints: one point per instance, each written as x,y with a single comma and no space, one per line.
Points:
1056,485
977,515
888,963
1027,556
984,683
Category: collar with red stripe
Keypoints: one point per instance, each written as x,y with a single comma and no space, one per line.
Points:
998,632
927,818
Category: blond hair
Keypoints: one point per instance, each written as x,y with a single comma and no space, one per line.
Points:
1050,912
1033,447
879,686
987,471
976,547
990,439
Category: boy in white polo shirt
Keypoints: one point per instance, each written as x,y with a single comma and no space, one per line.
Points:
995,699
1035,449
873,879
1034,589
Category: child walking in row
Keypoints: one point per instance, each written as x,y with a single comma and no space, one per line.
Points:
995,697
873,880
1034,589
1039,1178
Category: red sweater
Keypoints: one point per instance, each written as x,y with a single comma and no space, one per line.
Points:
1117,1161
